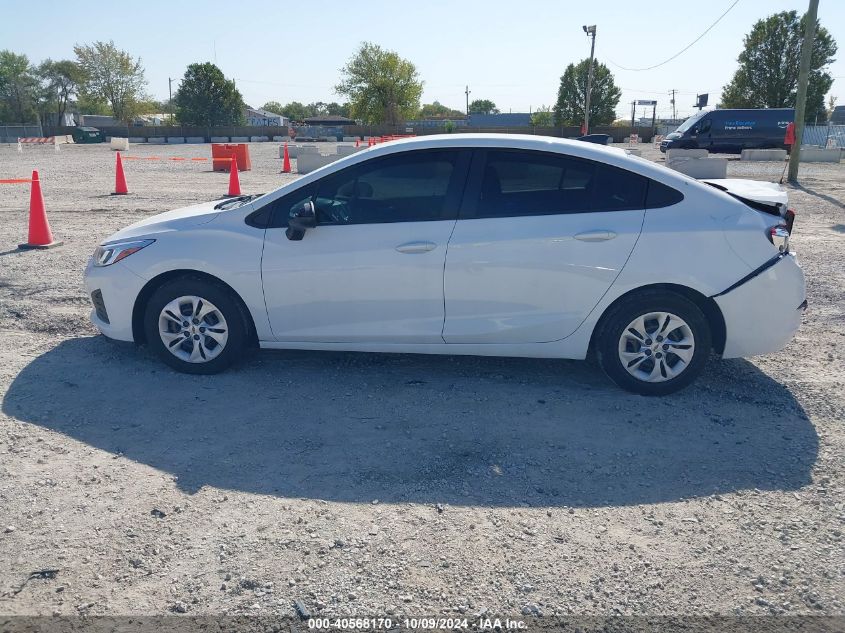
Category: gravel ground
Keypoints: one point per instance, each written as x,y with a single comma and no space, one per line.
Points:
375,484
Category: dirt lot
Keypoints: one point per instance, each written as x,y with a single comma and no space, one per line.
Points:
372,485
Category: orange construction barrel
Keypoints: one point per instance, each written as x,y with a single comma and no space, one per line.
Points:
221,155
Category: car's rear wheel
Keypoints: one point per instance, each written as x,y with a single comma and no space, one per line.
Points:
195,326
654,343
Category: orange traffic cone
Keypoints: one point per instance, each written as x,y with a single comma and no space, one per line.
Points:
119,179
357,142
234,179
39,228
286,161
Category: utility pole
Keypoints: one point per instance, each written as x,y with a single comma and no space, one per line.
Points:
467,91
591,32
674,113
170,98
801,97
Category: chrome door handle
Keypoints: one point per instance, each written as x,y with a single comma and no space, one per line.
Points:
595,236
416,247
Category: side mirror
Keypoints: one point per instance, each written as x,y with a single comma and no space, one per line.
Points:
304,217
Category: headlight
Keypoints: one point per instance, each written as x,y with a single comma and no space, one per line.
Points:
109,254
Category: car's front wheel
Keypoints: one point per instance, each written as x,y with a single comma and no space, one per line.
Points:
195,326
654,343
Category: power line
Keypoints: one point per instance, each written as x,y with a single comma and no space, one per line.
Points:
683,50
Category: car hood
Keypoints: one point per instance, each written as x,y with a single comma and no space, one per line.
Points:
175,220
756,190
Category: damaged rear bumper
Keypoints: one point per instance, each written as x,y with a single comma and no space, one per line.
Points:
763,311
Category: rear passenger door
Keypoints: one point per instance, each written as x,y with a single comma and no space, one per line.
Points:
540,238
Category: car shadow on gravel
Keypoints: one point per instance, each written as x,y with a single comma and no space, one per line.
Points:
428,429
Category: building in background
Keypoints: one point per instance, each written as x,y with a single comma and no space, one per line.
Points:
264,118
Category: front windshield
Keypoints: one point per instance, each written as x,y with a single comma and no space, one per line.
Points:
690,122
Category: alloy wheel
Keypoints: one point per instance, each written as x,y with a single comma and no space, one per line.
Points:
193,329
656,347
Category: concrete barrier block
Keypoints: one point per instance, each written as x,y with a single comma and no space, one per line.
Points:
176,140
219,139
155,139
119,144
259,139
701,167
282,139
350,139
295,151
819,155
240,139
195,139
773,155
137,139
307,163
686,153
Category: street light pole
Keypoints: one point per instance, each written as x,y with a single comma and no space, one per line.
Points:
590,31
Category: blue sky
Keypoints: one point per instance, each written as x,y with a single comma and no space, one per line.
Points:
509,52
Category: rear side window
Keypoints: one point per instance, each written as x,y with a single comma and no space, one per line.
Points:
618,190
533,183
519,183
660,195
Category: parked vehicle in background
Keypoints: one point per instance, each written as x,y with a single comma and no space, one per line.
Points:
731,131
480,244
837,117
88,135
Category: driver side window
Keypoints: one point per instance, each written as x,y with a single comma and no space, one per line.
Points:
409,187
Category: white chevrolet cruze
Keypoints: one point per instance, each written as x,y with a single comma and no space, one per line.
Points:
484,244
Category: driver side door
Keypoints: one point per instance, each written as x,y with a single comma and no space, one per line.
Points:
372,268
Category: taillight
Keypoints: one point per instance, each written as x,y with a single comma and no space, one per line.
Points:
779,236
790,220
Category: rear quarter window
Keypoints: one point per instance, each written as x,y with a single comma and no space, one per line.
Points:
660,195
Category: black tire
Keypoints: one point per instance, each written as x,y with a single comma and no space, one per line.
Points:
222,298
615,323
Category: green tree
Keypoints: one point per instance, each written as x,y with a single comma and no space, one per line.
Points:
295,111
273,106
483,106
113,76
19,88
569,109
61,81
206,98
542,117
381,86
768,66
437,110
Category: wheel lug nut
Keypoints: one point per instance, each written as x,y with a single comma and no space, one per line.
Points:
196,337
648,352
185,324
659,355
202,330
196,321
648,341
659,338
665,348
187,334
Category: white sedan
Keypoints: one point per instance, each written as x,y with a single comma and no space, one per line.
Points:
484,244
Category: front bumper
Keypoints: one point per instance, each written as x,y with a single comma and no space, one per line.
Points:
119,287
763,314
